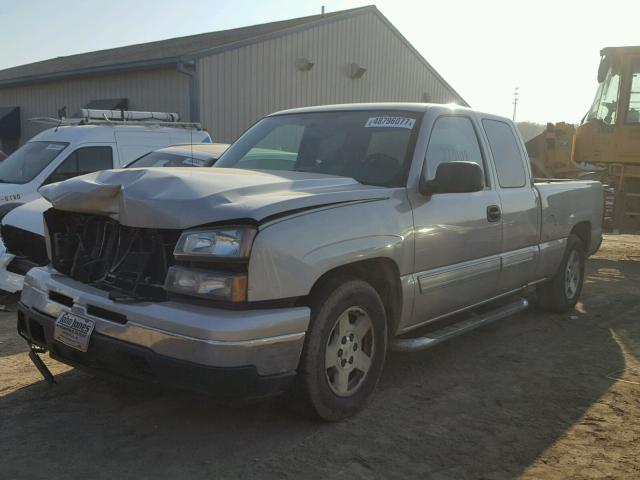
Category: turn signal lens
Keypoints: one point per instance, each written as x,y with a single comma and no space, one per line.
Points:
206,284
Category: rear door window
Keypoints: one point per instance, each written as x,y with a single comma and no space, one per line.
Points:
82,161
506,154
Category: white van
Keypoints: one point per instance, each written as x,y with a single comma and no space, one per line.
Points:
24,228
67,151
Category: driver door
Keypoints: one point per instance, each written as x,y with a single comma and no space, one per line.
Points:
457,235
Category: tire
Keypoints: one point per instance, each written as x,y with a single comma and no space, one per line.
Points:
347,335
561,293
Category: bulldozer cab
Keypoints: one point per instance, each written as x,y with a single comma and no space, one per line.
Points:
609,135
606,144
610,131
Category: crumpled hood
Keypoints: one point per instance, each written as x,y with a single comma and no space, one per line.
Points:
180,198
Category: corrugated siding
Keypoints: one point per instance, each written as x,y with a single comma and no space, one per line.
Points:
150,90
239,86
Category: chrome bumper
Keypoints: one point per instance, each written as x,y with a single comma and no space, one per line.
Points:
269,339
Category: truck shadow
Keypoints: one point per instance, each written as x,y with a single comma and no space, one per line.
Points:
484,405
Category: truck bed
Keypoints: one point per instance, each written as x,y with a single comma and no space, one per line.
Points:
567,203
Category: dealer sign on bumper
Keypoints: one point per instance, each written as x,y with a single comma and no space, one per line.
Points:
73,330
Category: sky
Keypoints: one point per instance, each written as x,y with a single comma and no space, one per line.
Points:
483,48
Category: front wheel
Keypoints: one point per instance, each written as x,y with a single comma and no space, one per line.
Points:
344,350
561,293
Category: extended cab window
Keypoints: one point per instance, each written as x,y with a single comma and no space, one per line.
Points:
453,139
506,154
83,160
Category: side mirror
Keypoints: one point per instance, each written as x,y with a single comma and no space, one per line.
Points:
454,177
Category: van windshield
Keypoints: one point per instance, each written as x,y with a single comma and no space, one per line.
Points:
28,161
372,147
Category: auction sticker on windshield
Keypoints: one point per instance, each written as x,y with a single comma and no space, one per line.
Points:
73,330
390,122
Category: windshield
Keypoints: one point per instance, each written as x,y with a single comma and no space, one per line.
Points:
373,147
163,159
28,161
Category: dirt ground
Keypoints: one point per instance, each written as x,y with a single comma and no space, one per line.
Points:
532,396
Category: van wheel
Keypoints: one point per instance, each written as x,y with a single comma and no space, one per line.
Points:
344,350
561,293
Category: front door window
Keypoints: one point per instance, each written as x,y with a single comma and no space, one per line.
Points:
605,105
82,161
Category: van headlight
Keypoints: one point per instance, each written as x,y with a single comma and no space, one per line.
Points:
214,243
197,282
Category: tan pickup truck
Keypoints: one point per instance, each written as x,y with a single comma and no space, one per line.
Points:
324,237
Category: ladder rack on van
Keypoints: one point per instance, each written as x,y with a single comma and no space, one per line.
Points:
119,117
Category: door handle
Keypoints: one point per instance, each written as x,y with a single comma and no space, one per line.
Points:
493,213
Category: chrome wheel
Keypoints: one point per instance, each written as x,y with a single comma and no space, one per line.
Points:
572,275
349,351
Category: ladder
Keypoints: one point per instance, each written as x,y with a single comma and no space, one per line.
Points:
119,117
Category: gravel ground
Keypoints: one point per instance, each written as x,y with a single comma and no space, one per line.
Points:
532,396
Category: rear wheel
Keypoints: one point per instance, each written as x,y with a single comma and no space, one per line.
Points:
561,293
344,350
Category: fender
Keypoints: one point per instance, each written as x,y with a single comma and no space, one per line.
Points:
288,257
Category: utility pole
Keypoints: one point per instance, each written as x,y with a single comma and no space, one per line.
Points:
515,102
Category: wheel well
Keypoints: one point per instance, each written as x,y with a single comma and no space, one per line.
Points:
382,274
583,231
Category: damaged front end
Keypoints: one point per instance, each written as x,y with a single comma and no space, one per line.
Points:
128,262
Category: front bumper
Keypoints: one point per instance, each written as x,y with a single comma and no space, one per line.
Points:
138,363
199,338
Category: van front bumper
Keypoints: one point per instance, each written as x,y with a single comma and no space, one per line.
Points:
224,352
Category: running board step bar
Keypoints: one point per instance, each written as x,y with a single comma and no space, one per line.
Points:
457,329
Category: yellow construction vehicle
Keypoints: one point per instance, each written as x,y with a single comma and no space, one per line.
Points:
551,152
607,142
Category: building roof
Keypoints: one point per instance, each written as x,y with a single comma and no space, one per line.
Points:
156,53
182,50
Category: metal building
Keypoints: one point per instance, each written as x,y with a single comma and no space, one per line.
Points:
227,80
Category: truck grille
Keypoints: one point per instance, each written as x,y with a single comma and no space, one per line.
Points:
130,263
